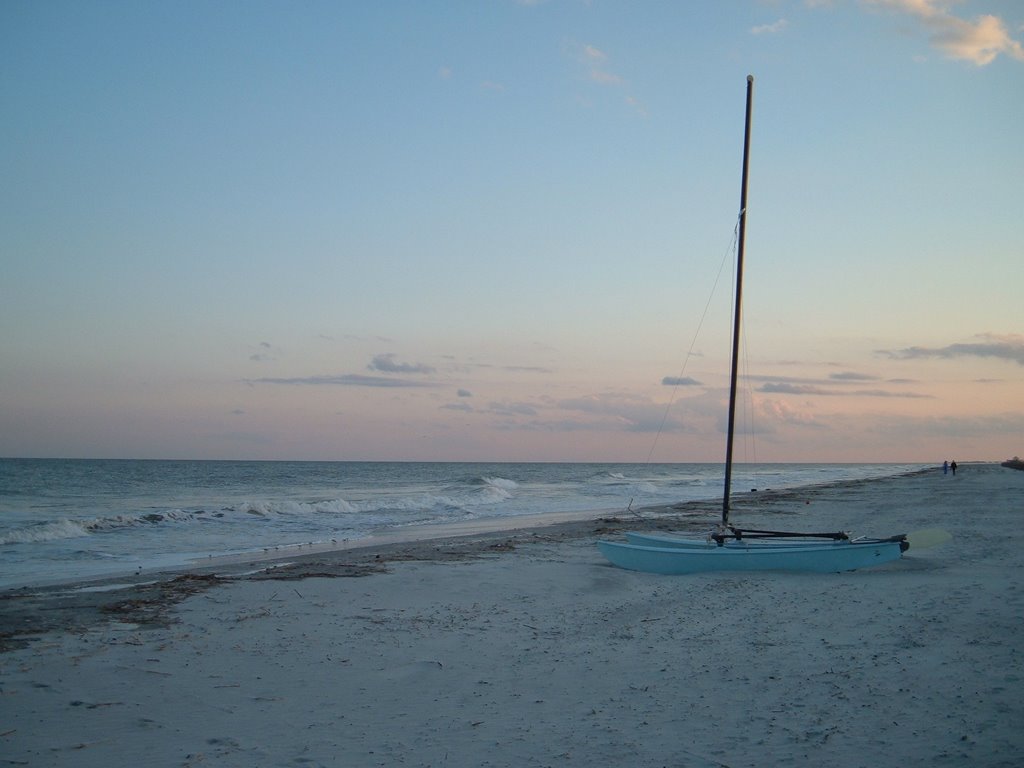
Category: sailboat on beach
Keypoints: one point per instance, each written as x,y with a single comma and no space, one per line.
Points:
735,549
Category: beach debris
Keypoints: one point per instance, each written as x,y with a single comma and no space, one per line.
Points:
97,705
319,569
261,613
26,615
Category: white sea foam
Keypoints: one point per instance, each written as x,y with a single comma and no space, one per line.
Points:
496,490
269,508
114,522
56,530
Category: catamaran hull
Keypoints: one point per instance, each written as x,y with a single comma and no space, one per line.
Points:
824,558
675,542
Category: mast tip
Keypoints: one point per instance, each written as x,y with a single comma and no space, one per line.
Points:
750,78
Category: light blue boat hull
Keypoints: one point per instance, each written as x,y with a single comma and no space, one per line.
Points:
675,542
810,558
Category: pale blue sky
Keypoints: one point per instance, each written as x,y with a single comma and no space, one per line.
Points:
488,230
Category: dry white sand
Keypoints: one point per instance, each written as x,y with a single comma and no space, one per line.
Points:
535,652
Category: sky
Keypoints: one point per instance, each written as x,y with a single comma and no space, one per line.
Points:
503,231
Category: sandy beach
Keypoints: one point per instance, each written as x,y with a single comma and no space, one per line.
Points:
525,648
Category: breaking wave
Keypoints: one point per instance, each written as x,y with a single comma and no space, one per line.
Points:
497,489
66,528
58,529
331,514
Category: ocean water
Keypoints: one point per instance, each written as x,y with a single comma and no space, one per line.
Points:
64,520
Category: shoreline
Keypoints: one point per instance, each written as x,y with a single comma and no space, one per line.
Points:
158,524
417,533
145,597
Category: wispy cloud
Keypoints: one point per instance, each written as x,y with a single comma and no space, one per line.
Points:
626,412
465,367
783,388
346,380
1009,348
608,412
851,376
774,415
946,427
387,364
525,368
787,388
978,41
770,29
356,337
513,409
595,62
264,351
679,381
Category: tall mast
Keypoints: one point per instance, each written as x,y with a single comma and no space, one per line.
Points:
738,305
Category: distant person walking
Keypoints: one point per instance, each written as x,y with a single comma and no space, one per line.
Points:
953,467
945,467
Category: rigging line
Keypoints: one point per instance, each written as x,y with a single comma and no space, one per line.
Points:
689,353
